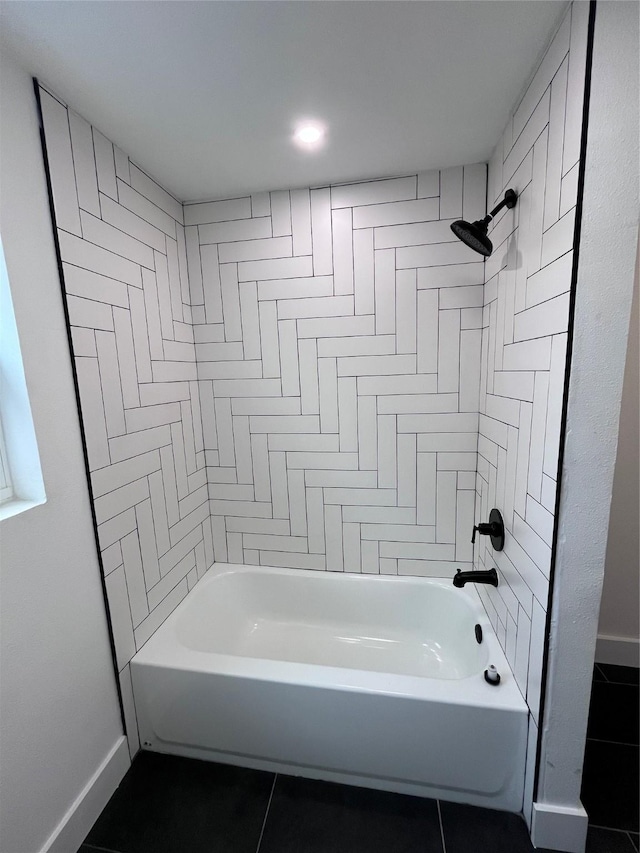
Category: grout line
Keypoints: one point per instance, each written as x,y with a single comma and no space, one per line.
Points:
617,683
444,846
102,849
613,828
614,742
601,673
266,814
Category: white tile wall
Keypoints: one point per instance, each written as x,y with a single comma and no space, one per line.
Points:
524,339
348,411
125,279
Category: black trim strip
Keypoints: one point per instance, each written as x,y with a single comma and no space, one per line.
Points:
567,375
54,226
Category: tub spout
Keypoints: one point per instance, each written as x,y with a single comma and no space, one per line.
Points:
461,578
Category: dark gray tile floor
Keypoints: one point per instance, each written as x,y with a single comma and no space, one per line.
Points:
610,790
177,805
308,816
167,804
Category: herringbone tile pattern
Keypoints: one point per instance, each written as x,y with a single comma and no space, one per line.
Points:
338,342
123,255
524,345
291,379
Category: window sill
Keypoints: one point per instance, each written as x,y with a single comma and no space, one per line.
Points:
15,507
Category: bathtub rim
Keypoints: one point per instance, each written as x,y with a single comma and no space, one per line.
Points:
164,650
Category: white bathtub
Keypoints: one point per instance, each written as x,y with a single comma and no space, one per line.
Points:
376,681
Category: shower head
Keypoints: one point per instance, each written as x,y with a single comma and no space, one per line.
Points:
474,234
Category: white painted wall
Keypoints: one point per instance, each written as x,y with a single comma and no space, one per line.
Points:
618,629
604,290
58,707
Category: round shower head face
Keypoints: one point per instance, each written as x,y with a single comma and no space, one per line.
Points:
474,235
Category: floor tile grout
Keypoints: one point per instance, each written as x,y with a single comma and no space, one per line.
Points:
605,679
444,845
613,828
266,814
614,742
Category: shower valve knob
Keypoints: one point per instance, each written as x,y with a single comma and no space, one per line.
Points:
493,528
484,529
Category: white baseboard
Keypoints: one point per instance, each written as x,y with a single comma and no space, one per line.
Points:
559,827
623,651
84,811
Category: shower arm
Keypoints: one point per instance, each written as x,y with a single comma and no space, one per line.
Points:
509,201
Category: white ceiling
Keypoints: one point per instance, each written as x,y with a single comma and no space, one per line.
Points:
203,95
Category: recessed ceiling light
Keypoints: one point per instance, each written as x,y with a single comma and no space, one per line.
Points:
309,135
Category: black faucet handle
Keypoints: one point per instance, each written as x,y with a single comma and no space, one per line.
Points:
493,528
484,528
